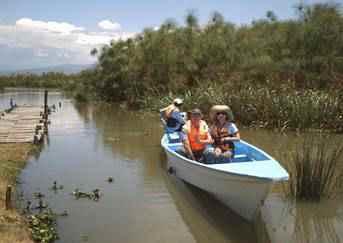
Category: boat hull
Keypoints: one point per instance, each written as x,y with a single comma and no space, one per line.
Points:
243,194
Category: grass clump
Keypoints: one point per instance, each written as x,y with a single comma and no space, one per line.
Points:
315,168
42,227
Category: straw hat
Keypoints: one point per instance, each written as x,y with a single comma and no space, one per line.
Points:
221,108
177,101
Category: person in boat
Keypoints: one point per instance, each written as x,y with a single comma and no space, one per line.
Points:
224,132
172,116
196,137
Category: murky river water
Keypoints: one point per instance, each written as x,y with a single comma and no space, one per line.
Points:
88,144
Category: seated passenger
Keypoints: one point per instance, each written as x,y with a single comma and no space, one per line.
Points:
196,137
172,117
224,132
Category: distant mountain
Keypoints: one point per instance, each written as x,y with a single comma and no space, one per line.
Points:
65,68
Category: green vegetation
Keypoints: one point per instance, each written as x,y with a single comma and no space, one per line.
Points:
43,227
45,80
315,168
306,52
260,106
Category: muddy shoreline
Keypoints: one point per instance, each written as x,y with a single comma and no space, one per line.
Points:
13,158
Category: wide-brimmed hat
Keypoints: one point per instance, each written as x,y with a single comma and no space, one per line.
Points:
221,108
177,101
195,111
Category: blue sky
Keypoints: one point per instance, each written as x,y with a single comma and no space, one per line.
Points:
37,33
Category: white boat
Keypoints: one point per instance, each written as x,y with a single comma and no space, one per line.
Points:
242,184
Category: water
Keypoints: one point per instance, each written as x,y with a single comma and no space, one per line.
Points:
88,144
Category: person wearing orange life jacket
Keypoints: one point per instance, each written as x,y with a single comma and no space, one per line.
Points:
224,132
196,137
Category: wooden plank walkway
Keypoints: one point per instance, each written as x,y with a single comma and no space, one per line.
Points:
24,124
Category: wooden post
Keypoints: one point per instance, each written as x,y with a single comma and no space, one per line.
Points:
45,116
35,139
45,102
8,197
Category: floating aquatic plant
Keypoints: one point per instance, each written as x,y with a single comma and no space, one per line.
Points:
42,227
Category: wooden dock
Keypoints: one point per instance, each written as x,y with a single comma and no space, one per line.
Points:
23,124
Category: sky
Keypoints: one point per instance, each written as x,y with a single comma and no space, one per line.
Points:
42,33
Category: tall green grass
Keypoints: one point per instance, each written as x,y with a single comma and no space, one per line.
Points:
315,168
283,108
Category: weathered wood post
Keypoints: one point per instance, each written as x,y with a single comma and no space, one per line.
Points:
45,116
45,102
8,197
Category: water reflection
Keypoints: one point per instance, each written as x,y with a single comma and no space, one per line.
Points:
289,221
209,220
30,97
318,222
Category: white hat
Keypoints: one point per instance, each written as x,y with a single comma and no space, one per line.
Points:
177,101
221,108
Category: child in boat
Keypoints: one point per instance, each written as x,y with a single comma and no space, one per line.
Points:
224,132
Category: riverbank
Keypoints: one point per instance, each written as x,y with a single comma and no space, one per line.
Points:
13,158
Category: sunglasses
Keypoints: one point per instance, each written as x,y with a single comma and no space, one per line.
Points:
221,113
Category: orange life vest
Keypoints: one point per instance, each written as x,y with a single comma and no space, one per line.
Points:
194,134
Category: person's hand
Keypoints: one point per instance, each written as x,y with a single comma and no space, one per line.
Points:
211,141
191,155
223,140
217,151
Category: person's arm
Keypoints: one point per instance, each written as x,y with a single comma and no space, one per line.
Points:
235,135
188,148
169,110
186,144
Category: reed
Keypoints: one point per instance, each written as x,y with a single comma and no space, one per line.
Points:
283,108
315,168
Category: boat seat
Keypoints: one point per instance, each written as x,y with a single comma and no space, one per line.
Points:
240,156
175,146
173,138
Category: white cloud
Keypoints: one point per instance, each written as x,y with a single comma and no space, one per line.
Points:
51,26
96,38
108,25
93,39
52,41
